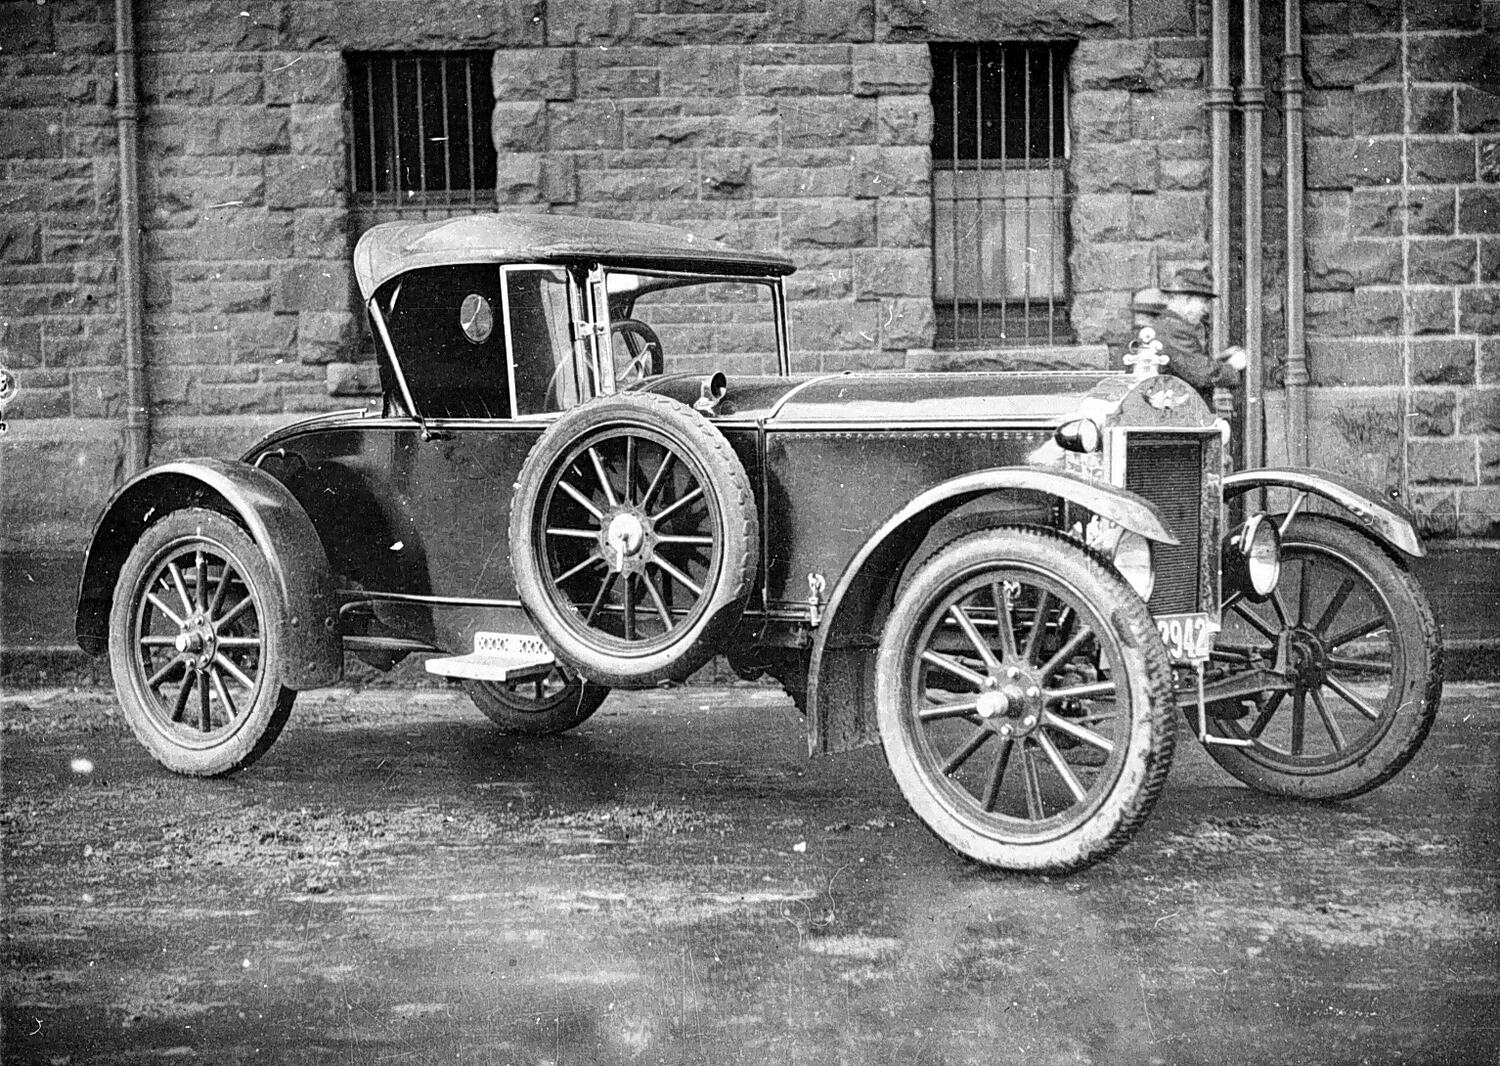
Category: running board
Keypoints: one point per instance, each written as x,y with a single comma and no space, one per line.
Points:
497,657
490,667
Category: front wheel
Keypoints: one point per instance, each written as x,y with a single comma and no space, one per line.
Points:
1357,640
1024,701
195,645
553,703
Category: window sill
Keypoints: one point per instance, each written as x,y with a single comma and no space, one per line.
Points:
1057,357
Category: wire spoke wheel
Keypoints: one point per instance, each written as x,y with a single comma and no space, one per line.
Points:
1357,642
1023,729
193,645
633,538
538,706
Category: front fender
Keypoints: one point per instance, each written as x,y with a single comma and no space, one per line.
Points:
1390,523
275,521
840,687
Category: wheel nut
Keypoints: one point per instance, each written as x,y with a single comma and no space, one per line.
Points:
1029,721
1005,730
1033,692
1013,673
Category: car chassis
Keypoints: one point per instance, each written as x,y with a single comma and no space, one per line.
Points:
1010,581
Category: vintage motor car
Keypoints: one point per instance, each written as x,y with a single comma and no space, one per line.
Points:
593,468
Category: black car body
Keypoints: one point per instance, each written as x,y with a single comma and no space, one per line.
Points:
1011,580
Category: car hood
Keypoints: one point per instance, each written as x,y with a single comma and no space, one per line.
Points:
892,398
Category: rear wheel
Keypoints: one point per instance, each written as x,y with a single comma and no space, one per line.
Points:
538,706
195,645
1360,646
1024,701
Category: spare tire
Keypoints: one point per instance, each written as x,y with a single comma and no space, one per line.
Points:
633,539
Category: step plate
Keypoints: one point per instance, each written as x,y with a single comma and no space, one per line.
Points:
497,657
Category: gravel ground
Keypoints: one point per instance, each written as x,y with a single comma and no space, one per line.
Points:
675,882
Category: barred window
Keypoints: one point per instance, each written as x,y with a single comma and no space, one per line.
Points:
419,128
999,190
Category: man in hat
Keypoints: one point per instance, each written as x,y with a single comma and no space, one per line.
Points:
1182,329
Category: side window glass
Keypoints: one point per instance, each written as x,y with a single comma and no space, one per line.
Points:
541,348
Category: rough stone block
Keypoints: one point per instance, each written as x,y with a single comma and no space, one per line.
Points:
230,399
1479,310
1489,259
904,222
892,68
353,379
527,74
317,129
817,175
1101,217
1442,362
1437,261
615,82
1387,213
828,224
1436,511
725,175
589,22
1174,216
1357,432
1334,62
20,241
1489,461
1489,360
1346,264
1124,265
892,272
1432,311
823,20
1377,111
818,122
892,171
794,80
1479,210
325,336
922,21
905,120
1478,111
1480,411
315,285
637,185
522,127
697,72
1329,163
519,178
1330,113
1441,462
1466,59
747,124
305,181
264,339
1375,162
1436,161
1434,413
1478,513
1101,116
321,233
822,275
1364,361
907,323
1123,167
304,78
835,325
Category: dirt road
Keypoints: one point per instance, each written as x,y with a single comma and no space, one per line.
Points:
676,883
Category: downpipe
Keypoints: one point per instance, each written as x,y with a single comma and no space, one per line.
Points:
1296,338
1253,106
132,296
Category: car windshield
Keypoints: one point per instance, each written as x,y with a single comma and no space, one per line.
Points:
662,325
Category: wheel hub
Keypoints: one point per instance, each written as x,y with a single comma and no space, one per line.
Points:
197,642
625,538
1307,659
1012,706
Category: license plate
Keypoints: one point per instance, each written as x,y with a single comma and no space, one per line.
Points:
1188,637
511,644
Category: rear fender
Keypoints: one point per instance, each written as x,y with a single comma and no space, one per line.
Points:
841,675
275,521
1390,524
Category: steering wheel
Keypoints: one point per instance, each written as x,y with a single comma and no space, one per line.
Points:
637,351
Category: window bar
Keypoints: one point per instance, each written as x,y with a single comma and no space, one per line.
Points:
1052,201
395,136
447,144
469,121
370,122
983,281
421,135
1026,200
953,193
1005,198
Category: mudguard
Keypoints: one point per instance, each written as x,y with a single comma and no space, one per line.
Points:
275,521
1389,523
840,712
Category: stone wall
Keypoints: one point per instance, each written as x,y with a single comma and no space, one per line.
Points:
796,125
1403,308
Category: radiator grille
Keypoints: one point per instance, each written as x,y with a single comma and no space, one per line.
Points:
1168,471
